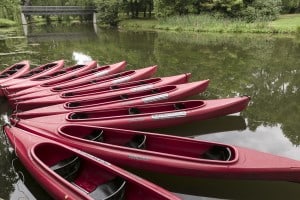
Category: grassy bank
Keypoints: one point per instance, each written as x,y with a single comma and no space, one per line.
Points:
207,23
6,23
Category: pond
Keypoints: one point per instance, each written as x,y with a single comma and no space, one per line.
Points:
265,67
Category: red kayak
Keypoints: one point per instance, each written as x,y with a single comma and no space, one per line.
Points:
35,73
133,86
61,75
69,173
85,76
110,100
108,80
171,154
147,116
13,71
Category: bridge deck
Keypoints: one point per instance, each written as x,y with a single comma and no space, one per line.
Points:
57,10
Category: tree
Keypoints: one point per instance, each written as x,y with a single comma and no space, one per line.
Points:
108,11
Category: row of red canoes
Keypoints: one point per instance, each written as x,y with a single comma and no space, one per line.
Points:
68,110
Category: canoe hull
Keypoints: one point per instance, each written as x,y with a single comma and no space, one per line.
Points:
174,155
38,154
45,106
57,76
152,116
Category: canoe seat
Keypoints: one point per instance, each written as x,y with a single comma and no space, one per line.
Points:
124,96
12,71
78,116
95,135
117,75
68,94
114,87
114,189
73,104
137,142
142,82
154,91
67,168
179,106
218,153
77,67
18,66
134,111
3,75
93,81
48,66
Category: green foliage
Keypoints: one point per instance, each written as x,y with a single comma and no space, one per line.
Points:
261,10
108,11
6,23
290,6
9,9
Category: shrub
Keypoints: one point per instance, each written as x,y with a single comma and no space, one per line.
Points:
261,10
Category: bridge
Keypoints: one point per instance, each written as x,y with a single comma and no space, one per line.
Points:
56,10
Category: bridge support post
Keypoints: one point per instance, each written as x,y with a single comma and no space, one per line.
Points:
94,18
23,18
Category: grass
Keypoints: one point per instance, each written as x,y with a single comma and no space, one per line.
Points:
207,23
6,23
287,23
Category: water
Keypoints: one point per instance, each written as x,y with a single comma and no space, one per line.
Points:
265,67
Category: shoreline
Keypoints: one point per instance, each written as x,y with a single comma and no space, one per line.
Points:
286,24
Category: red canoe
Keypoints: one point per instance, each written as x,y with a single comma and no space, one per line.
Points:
108,80
12,72
171,154
69,173
133,86
147,116
85,76
35,73
61,75
110,100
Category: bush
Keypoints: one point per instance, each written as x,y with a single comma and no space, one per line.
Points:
261,10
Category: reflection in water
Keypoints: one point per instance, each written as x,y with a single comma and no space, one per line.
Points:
263,67
81,58
265,138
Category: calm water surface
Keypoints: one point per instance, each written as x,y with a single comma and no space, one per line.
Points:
266,67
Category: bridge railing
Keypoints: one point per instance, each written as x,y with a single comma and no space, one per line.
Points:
61,10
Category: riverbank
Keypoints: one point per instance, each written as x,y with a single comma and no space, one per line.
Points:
207,23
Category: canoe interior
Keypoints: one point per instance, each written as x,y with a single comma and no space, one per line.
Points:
111,88
12,70
87,176
76,77
151,142
38,70
58,73
166,107
92,81
111,99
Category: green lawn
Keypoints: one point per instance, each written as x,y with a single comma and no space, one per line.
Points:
287,22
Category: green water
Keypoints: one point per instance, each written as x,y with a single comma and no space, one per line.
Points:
265,67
